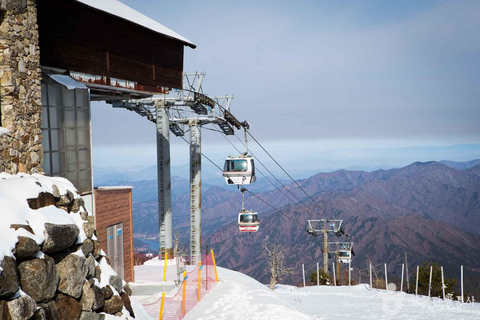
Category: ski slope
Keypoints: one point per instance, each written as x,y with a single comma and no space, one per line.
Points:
237,296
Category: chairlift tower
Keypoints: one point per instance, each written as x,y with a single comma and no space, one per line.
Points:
183,110
324,227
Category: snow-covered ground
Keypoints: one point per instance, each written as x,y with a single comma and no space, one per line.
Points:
238,296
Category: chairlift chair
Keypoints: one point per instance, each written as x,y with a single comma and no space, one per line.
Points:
344,256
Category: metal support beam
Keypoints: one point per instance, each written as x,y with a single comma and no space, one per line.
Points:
195,192
164,186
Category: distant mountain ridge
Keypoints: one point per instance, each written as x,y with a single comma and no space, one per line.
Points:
461,165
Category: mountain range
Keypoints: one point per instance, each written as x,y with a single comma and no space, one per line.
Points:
430,210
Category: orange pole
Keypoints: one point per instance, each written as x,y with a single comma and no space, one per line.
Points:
199,279
165,269
161,306
214,265
184,286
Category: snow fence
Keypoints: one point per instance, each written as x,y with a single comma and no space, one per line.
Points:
189,293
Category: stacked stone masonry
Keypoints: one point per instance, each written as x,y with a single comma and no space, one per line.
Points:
61,278
20,88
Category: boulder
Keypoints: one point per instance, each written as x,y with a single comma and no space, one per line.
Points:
99,300
127,303
9,279
96,249
88,295
90,263
67,307
63,201
50,310
23,226
98,272
44,199
89,226
72,270
113,305
77,204
87,247
40,314
107,292
3,310
21,308
39,278
116,282
59,237
91,316
56,192
127,289
25,248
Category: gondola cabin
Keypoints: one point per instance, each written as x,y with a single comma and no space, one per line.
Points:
239,170
248,221
344,256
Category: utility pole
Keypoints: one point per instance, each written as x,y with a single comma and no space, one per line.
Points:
195,192
406,269
374,270
164,185
325,251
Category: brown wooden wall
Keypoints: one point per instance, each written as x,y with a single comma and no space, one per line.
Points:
113,206
79,38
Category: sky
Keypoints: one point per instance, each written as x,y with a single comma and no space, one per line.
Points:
334,84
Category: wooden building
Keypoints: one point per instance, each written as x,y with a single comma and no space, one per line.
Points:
113,222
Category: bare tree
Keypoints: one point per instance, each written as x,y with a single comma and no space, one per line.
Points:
178,248
274,255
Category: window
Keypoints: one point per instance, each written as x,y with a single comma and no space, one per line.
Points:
66,133
236,165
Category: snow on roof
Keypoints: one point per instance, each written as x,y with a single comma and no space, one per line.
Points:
123,11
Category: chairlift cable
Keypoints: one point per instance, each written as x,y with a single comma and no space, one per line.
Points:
276,187
321,208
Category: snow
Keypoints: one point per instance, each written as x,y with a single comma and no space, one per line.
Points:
123,11
14,192
237,296
3,131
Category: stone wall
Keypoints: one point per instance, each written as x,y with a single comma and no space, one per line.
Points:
20,88
60,276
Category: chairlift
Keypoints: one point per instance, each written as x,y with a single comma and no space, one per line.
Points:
240,169
247,220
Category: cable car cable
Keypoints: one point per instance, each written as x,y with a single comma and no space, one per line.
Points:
276,187
322,208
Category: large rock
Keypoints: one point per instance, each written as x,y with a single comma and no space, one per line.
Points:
90,263
9,280
107,292
44,199
39,278
89,226
3,310
59,237
21,308
116,282
113,305
127,303
50,310
67,307
72,270
96,249
87,247
77,204
92,297
91,316
25,248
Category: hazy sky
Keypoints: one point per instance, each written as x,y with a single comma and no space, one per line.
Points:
347,80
